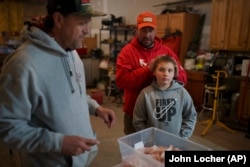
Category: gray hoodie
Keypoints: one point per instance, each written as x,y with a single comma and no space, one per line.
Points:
43,97
171,110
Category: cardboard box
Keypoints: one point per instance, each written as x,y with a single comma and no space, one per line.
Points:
150,137
90,43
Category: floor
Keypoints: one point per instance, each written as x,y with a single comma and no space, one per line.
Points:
217,138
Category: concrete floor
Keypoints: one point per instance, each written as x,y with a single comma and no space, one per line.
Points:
217,138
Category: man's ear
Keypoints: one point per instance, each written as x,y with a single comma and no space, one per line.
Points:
58,19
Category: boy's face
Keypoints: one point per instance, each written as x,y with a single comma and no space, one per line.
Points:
164,74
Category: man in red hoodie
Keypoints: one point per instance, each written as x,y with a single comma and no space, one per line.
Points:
133,64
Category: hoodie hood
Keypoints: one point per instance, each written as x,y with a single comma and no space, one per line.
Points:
33,34
40,38
175,85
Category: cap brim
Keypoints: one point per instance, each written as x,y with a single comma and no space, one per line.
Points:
87,10
91,14
142,25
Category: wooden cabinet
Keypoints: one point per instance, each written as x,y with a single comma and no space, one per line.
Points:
230,25
184,22
244,101
195,87
162,24
11,16
218,24
248,39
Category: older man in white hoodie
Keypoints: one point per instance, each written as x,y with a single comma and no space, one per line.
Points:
44,108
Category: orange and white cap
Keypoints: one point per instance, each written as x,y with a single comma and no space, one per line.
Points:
146,19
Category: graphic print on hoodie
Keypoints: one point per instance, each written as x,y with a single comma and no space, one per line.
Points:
171,110
165,110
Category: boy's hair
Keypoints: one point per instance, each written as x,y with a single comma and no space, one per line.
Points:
166,58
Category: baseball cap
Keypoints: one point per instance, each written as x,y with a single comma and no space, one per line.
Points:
146,19
81,7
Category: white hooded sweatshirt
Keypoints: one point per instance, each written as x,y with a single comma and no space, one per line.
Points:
42,99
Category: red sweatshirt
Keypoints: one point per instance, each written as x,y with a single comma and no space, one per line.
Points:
132,73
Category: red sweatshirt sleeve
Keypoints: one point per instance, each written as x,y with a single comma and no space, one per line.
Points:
129,75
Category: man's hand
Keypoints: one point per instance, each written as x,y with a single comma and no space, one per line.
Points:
75,145
107,115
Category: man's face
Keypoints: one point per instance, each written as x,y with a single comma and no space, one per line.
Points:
146,36
72,30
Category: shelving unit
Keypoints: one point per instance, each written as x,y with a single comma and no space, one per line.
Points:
112,40
117,38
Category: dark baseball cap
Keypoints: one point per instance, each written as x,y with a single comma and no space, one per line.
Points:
81,7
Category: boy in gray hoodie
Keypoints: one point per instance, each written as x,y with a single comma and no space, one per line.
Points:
165,104
44,108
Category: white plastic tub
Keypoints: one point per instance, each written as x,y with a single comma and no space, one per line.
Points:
150,137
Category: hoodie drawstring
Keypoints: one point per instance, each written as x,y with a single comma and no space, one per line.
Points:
68,72
78,76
